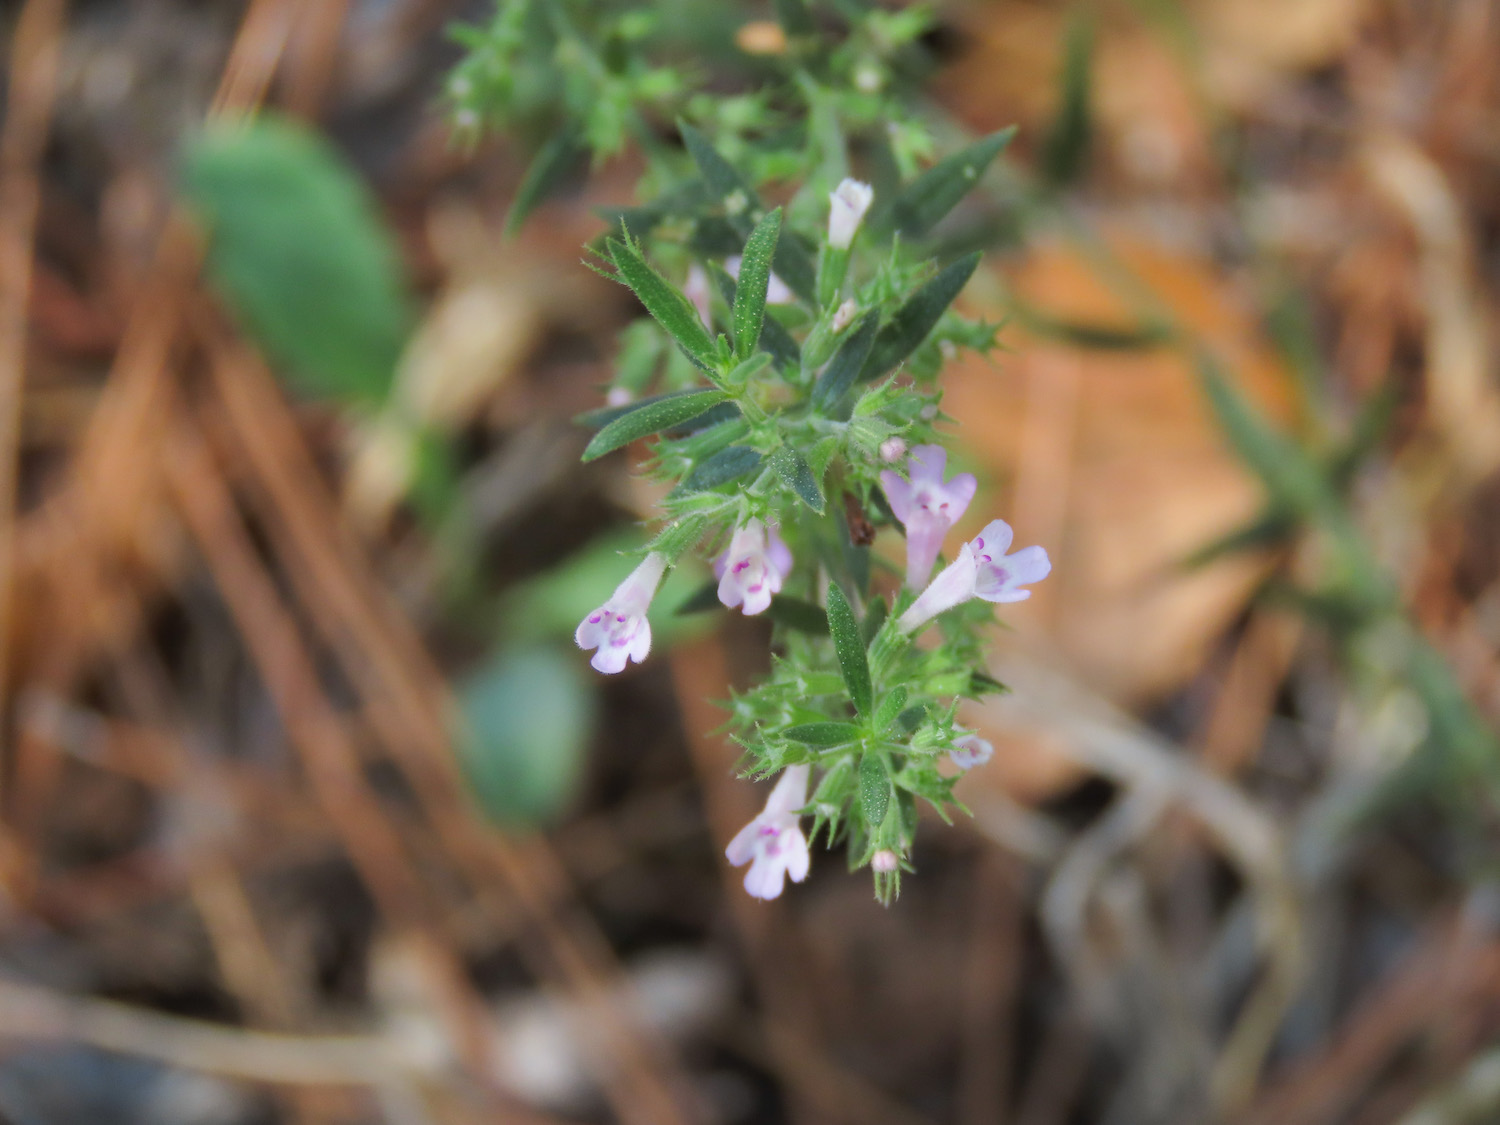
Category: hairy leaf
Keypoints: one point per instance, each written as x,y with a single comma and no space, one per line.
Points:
850,648
651,418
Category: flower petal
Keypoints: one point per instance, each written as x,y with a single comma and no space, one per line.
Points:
790,793
610,659
590,631
795,854
924,539
741,849
994,540
640,643
1028,565
958,492
766,877
927,464
898,492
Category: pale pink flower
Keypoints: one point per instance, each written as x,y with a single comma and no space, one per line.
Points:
773,844
618,628
777,292
697,290
926,506
969,750
892,449
752,568
885,861
847,206
982,570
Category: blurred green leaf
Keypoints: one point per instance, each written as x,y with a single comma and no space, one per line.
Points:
1067,147
550,167
924,202
297,247
527,716
917,317
797,614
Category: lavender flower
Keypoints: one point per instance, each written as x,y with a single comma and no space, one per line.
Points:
618,628
969,750
982,570
753,567
926,506
773,843
847,206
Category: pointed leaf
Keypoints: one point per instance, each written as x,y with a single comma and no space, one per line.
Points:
721,177
650,418
672,310
846,363
778,343
823,734
1068,141
890,707
797,475
730,463
755,278
917,317
928,198
851,650
874,789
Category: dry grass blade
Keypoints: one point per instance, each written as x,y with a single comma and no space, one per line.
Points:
28,114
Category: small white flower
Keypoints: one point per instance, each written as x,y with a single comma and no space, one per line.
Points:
773,844
970,750
751,570
619,396
843,315
618,628
777,292
847,206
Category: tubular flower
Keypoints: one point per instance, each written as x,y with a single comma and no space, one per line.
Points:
926,506
773,844
847,206
970,750
618,628
753,567
982,570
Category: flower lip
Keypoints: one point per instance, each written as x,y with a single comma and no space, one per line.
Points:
927,506
751,569
773,844
618,630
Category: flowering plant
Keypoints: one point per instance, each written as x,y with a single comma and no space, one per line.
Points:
786,378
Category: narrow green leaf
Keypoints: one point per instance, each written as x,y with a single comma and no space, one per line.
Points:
797,614
823,734
549,168
874,789
982,683
797,475
890,707
851,650
927,199
917,317
784,351
730,463
650,418
604,415
755,278
672,310
846,363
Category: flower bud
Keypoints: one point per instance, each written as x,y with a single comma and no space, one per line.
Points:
848,204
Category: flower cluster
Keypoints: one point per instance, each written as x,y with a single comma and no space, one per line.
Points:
786,379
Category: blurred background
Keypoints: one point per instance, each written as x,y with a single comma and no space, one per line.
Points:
311,813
